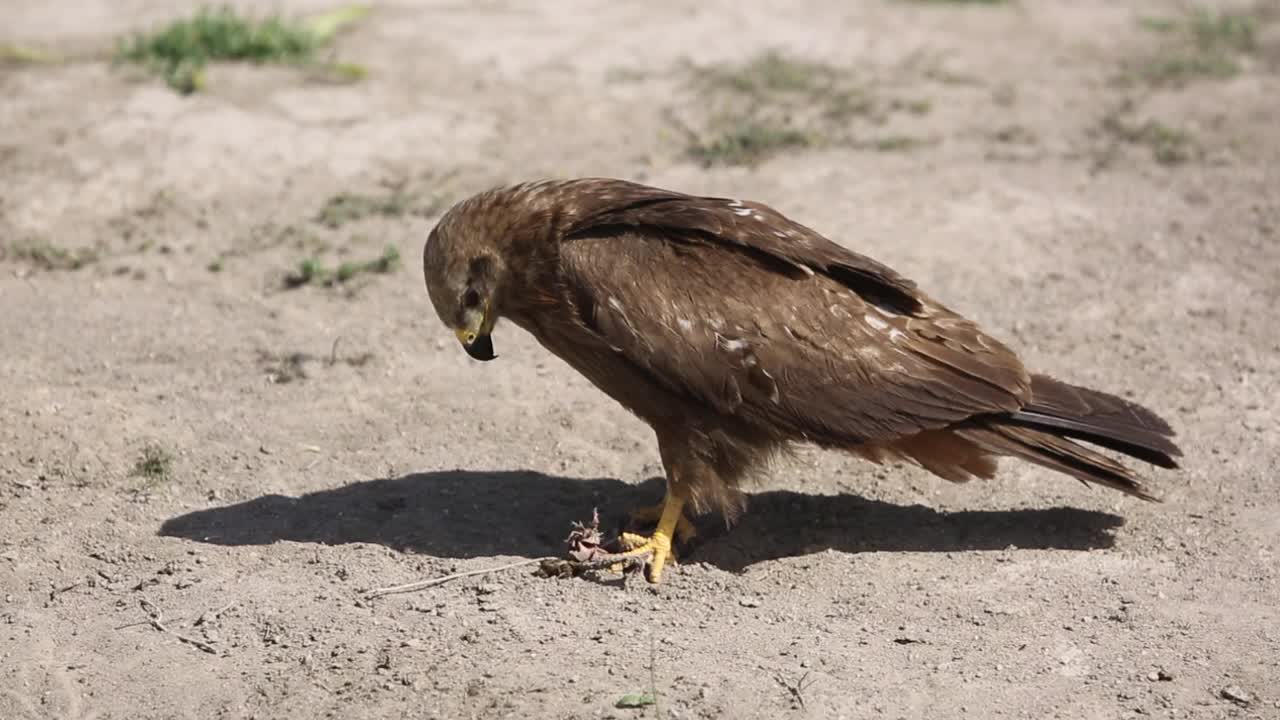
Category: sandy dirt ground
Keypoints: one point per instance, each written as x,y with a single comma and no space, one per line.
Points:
1021,161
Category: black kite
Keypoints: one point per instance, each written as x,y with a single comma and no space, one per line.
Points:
736,332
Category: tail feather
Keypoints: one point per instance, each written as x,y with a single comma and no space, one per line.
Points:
1100,418
1056,453
1043,431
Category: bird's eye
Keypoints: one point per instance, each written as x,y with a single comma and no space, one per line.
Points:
470,299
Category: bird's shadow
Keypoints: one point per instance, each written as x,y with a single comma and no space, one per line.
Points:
463,514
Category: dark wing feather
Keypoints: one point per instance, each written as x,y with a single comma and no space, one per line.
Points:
804,356
749,226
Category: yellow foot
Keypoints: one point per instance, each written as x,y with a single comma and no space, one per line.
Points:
657,546
651,514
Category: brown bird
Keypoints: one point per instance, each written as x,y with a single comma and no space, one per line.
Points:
736,332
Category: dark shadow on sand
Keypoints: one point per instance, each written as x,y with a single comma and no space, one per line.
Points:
463,514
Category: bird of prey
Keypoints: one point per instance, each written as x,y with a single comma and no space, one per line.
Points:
736,333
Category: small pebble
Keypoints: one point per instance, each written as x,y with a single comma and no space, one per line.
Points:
1236,694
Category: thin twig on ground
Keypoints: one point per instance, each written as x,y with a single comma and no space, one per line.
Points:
58,591
424,584
797,689
154,618
653,675
209,617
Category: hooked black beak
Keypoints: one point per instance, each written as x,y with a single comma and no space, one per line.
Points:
480,348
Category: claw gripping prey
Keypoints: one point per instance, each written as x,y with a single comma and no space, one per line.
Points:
588,551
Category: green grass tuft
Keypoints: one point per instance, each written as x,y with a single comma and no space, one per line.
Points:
181,50
308,271
1158,24
772,103
312,271
1203,44
845,105
1168,145
347,207
764,106
749,142
23,55
770,73
155,465
47,256
1224,32
897,143
636,700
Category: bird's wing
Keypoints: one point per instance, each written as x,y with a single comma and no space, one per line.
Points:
713,319
750,226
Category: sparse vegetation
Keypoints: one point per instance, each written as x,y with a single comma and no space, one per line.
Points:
312,271
774,102
23,55
636,700
47,256
748,142
844,106
181,50
896,143
282,369
771,73
308,270
1013,134
1217,32
1158,24
346,207
301,237
1168,145
1205,43
915,107
762,107
154,465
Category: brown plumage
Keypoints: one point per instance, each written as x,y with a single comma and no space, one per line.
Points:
736,332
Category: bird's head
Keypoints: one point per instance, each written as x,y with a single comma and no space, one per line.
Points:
464,274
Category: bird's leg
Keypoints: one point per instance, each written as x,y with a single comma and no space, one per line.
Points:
651,514
658,545
682,465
